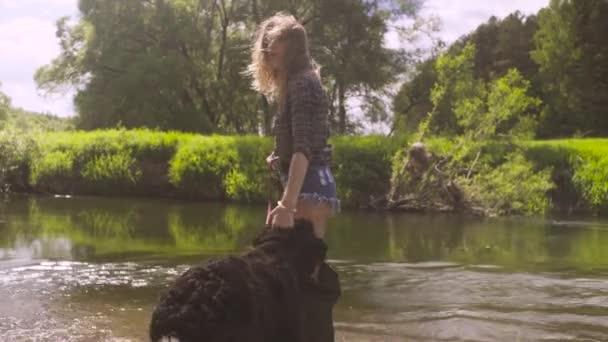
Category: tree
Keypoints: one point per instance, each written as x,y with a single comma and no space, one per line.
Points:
412,102
572,52
177,64
501,44
482,110
349,42
485,111
166,64
5,105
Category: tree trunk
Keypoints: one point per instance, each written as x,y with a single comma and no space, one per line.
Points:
341,109
225,22
267,116
254,9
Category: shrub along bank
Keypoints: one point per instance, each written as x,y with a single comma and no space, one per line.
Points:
150,163
230,168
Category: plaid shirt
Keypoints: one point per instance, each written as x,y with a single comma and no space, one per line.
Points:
301,125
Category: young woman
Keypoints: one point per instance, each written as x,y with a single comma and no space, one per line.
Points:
283,70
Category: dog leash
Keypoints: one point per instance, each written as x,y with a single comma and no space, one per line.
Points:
270,186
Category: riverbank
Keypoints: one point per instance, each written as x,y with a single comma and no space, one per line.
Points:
178,165
232,169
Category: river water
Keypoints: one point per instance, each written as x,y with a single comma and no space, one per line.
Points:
91,269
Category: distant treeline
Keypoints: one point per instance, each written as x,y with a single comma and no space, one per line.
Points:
562,51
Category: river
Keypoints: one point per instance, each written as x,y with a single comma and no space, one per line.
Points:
91,269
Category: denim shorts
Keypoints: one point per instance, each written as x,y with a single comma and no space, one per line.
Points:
319,185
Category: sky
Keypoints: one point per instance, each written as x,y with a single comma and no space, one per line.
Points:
27,40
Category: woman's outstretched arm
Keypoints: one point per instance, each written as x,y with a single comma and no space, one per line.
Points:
295,179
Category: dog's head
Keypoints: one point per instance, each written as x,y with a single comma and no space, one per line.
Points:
298,245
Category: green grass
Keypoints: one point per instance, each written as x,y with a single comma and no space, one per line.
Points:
586,162
103,162
146,162
363,166
579,172
232,168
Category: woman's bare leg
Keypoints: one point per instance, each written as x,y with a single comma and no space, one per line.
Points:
316,213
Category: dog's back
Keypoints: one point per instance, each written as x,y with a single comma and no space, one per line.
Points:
253,297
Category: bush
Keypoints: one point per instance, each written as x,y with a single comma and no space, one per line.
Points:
591,178
53,171
103,162
511,188
233,168
117,170
247,181
362,167
581,169
15,151
200,167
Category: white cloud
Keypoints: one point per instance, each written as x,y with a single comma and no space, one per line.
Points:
26,44
459,17
27,41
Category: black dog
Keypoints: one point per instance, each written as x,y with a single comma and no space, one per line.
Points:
282,290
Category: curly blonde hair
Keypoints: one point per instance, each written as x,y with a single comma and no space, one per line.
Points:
279,27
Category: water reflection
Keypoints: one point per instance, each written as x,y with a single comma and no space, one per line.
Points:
85,269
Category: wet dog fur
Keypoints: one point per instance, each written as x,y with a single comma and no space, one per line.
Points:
267,294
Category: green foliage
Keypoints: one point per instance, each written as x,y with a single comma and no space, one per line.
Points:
440,145
247,180
113,161
16,150
510,109
142,162
37,122
203,167
51,167
200,167
501,45
572,52
362,167
590,177
348,40
584,163
412,103
234,168
562,51
178,64
112,170
497,111
484,112
18,119
514,187
5,105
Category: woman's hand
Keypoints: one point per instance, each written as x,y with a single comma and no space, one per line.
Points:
282,217
272,162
